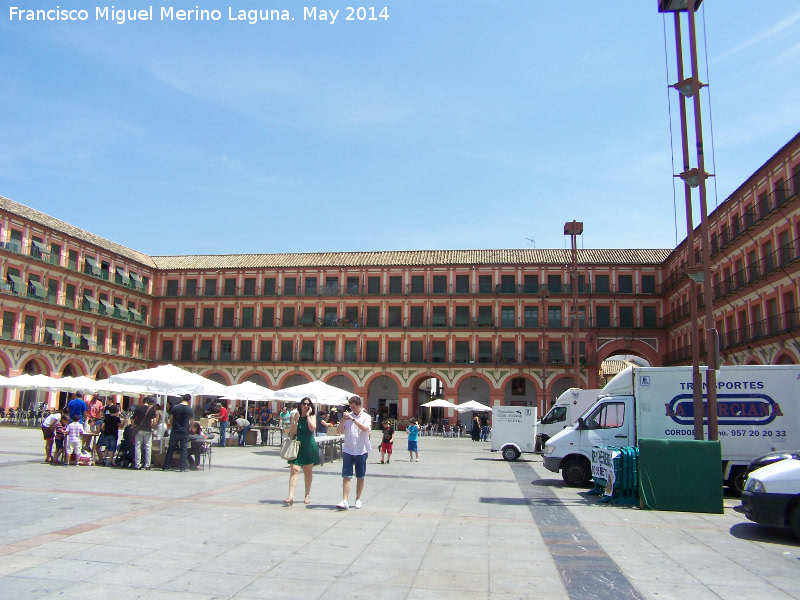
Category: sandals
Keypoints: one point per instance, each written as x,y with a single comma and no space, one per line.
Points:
307,500
288,502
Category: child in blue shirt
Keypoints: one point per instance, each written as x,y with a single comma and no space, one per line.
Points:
413,432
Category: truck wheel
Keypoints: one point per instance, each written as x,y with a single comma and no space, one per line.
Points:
576,472
736,481
510,453
796,521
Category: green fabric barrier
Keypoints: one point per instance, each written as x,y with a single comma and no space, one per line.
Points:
680,475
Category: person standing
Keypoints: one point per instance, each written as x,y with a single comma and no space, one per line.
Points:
333,421
476,429
222,417
143,422
77,406
179,420
265,422
484,428
413,434
74,433
388,441
355,425
107,442
286,417
303,425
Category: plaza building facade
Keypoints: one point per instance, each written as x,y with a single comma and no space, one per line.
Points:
399,328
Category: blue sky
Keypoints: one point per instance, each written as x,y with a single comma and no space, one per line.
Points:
450,125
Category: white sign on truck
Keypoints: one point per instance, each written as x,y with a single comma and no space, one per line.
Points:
758,410
513,430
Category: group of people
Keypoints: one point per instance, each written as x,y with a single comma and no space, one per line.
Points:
243,421
355,425
480,428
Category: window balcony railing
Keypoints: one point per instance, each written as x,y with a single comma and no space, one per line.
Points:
782,257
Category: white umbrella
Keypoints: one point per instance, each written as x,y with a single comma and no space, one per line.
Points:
104,385
31,382
439,404
168,379
249,391
318,391
76,384
474,406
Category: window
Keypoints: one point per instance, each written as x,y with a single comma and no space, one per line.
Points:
485,284
508,352
508,284
72,259
350,351
248,316
554,284
531,316
556,415
288,316
55,254
395,318
462,284
331,286
170,317
246,350
268,316
374,285
69,299
393,352
395,284
128,345
649,318
172,287
417,316
191,287
373,316
602,284
373,352
351,314
462,316
188,317
27,328
287,351
485,316
648,284
311,286
52,290
507,317
532,353
227,317
210,287
352,285
531,284
417,284
101,340
289,286
329,351
309,316
439,316
603,316
626,316
462,352
307,351
269,286
607,416
250,286
554,316
555,353
167,350
230,287
330,315
416,352
186,350
204,352
485,352
438,352
208,317
625,285
440,284
265,353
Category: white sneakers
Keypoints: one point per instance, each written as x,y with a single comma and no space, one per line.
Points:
358,503
417,460
343,505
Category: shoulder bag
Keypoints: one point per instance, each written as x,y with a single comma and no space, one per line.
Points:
289,448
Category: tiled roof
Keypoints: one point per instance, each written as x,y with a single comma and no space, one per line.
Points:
411,258
60,226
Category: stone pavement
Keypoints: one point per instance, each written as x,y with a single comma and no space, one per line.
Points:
460,523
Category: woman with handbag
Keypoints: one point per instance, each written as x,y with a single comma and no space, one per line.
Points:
302,428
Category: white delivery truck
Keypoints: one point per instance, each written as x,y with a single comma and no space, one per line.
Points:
758,410
568,407
513,430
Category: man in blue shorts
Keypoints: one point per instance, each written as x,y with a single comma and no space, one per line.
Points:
355,426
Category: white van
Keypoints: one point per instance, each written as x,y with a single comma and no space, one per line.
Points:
568,407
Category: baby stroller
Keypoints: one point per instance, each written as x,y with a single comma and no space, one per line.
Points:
124,457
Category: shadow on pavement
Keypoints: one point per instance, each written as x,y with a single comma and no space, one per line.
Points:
763,533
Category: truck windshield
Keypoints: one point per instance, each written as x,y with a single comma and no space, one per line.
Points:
556,415
608,415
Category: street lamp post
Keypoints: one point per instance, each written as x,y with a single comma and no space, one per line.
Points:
574,229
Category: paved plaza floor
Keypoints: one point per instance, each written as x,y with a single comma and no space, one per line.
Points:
461,523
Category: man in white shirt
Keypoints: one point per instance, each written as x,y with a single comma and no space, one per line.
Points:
356,426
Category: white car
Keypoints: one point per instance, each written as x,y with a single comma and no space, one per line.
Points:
772,495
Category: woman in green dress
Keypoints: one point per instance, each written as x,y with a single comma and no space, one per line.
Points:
303,425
